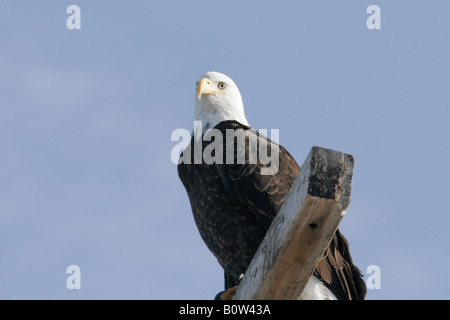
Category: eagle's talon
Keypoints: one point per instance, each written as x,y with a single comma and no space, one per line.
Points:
229,294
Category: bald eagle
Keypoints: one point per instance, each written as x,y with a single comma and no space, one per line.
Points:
234,203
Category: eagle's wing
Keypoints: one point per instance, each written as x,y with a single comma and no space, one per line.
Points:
262,194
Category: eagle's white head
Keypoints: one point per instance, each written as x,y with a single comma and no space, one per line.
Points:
217,99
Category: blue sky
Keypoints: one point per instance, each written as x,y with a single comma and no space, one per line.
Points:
86,118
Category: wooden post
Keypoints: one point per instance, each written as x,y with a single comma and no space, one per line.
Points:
302,230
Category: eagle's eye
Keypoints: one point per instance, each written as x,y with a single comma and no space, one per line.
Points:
221,85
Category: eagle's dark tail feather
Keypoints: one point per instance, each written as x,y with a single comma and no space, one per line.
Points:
338,272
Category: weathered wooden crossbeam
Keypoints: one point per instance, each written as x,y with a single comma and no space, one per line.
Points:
302,230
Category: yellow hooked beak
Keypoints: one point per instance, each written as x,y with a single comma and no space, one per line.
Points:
205,87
